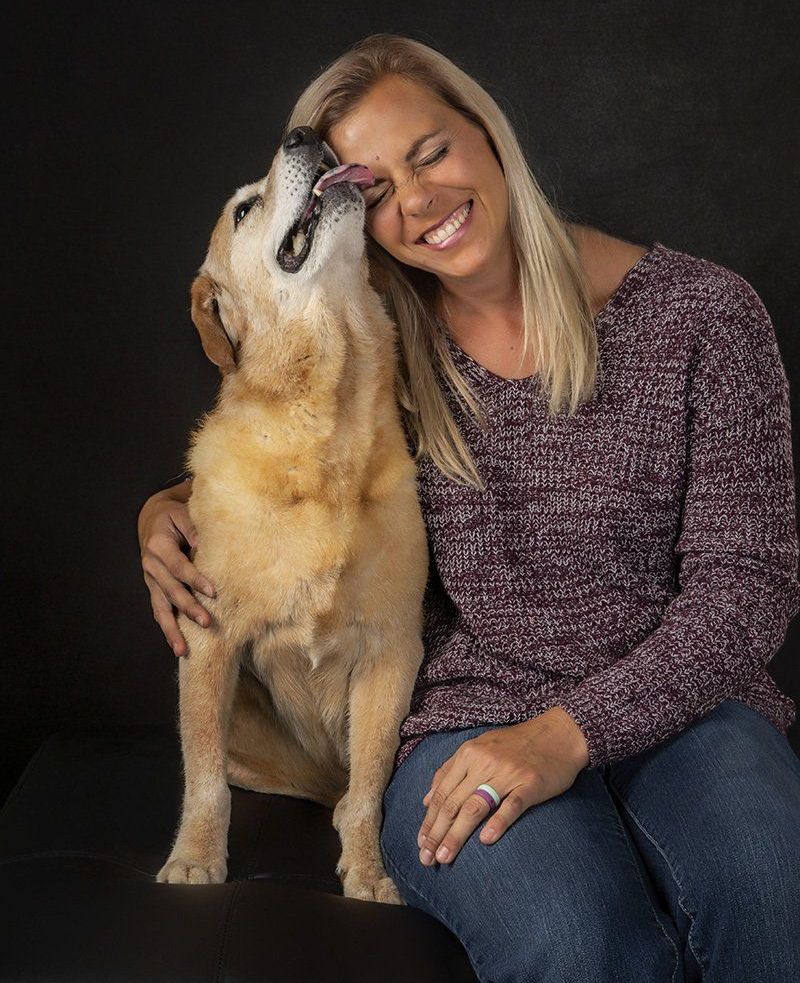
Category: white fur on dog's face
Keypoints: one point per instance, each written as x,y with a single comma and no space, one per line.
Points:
241,289
256,219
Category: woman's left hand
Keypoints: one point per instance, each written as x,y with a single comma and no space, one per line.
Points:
525,763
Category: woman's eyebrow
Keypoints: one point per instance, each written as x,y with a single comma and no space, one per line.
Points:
414,149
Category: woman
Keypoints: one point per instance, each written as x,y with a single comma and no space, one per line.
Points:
603,444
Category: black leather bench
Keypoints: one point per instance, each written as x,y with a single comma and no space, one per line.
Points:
91,821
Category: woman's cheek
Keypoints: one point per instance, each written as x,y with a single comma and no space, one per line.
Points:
387,237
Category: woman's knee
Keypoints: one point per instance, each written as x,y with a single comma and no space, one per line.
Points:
745,902
541,903
561,929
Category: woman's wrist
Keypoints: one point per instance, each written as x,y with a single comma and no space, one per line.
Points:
575,740
175,493
181,492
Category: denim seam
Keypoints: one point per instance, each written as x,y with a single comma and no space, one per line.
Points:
621,829
702,961
477,965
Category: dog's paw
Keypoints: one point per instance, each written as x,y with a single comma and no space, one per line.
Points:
369,883
184,870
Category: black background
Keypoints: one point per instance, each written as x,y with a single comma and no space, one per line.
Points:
132,123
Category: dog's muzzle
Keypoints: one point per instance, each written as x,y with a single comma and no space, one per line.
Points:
296,244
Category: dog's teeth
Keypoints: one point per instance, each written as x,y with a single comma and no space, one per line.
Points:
298,241
317,192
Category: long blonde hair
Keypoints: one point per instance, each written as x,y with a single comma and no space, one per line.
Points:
558,327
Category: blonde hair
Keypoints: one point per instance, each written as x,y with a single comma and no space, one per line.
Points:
558,327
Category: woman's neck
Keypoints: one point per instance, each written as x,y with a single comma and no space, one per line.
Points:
491,298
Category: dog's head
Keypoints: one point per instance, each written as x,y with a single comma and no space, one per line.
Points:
278,241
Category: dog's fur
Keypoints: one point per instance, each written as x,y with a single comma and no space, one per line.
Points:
305,503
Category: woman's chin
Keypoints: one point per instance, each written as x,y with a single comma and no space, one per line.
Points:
463,263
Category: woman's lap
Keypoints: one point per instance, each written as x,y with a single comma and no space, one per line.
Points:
715,812
560,896
612,878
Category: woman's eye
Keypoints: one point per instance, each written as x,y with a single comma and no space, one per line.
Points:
441,152
372,204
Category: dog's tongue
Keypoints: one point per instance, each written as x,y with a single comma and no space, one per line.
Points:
358,174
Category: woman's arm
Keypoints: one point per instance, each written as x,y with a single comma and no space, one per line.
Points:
165,528
738,546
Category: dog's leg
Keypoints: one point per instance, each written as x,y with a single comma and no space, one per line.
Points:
207,680
380,694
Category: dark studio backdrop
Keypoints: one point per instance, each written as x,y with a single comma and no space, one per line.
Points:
132,123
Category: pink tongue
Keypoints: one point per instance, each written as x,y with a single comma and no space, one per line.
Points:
358,174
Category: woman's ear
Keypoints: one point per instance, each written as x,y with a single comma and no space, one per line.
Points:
205,313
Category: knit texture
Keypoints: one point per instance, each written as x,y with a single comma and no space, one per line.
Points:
635,564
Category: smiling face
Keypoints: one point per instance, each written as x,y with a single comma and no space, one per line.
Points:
453,166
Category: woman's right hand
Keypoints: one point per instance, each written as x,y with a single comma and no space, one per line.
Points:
165,527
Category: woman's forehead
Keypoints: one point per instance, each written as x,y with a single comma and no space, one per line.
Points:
388,123
385,145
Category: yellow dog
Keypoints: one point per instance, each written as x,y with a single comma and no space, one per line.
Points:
305,502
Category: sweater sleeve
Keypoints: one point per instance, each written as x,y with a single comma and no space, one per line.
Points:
737,550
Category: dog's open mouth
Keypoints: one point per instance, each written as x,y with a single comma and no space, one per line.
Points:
297,242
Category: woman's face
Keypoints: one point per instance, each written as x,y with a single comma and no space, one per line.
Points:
453,165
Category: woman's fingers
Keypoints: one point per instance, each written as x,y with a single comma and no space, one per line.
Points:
167,571
449,778
178,563
181,519
171,578
164,527
455,825
183,570
163,613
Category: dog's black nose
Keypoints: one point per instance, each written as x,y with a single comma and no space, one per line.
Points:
300,135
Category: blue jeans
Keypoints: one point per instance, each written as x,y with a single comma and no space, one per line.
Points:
679,863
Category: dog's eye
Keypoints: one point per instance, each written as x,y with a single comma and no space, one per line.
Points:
240,210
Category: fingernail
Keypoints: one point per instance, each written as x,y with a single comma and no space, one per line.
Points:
442,853
426,856
209,589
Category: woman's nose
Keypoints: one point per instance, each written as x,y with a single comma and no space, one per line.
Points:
414,197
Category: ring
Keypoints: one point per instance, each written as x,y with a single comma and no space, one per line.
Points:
488,794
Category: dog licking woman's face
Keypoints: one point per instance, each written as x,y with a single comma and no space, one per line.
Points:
453,165
298,226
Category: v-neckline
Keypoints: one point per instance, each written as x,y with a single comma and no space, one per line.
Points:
632,277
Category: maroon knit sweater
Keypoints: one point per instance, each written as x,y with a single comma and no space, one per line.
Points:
635,564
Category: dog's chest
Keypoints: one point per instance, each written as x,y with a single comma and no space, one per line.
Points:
307,675
306,646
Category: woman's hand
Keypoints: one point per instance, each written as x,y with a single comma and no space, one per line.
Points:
164,528
526,764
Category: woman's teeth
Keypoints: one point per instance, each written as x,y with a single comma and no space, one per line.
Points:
451,225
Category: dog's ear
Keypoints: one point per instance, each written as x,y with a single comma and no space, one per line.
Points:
378,278
205,314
